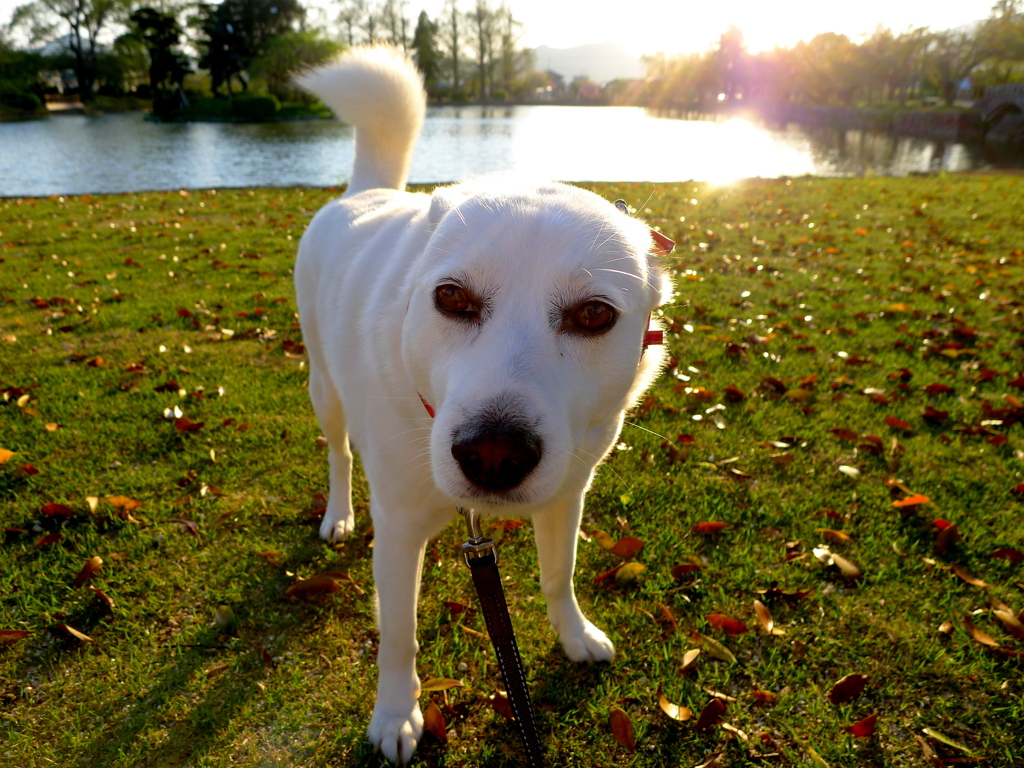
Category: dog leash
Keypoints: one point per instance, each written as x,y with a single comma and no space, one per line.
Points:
481,555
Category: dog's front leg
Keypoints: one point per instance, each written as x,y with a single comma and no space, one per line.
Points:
555,530
397,722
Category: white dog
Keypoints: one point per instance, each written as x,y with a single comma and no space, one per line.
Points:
479,346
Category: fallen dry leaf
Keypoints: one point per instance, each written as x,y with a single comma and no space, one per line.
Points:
716,649
847,688
500,704
72,632
711,715
765,617
433,722
863,728
439,684
90,569
103,598
675,711
710,527
688,658
628,573
960,571
727,624
12,635
322,583
977,635
622,728
1011,622
766,697
627,547
834,537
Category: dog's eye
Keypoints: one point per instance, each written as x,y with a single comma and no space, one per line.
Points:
590,317
454,300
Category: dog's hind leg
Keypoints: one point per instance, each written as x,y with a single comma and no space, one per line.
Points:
339,519
555,529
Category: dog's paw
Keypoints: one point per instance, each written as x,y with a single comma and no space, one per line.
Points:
396,735
337,525
588,644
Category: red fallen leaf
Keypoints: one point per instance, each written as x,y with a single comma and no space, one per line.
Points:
903,374
182,312
941,523
727,624
684,439
433,722
997,440
844,434
627,547
938,389
608,574
1015,556
457,608
710,527
947,538
847,688
734,395
895,423
681,571
1018,489
103,598
50,538
774,385
1018,382
499,703
53,510
91,568
25,470
185,424
622,728
322,583
12,635
864,728
667,618
934,415
711,715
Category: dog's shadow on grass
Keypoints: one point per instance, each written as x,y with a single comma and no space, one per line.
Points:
238,668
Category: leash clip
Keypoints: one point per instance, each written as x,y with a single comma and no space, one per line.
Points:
478,545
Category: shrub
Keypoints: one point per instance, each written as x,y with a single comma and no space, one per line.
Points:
255,108
23,100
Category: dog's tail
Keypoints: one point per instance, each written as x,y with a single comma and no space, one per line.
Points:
378,90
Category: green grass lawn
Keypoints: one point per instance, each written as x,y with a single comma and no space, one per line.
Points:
838,346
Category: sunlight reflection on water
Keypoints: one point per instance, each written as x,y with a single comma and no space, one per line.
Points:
118,153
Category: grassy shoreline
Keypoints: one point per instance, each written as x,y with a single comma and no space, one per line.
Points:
818,324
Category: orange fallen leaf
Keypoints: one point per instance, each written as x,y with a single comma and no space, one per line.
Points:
5,455
847,688
912,501
103,598
835,537
433,722
90,569
12,635
766,697
711,715
977,635
123,503
622,728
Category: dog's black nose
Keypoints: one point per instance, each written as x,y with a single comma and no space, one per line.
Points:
496,458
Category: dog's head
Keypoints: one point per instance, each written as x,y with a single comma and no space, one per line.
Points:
525,333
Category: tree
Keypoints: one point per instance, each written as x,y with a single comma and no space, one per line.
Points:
161,34
350,17
452,37
481,20
393,19
950,58
85,20
428,58
287,54
238,31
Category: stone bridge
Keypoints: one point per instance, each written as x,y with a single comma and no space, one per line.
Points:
999,102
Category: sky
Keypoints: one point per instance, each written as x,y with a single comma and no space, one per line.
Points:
683,26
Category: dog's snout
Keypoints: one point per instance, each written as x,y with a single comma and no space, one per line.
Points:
497,458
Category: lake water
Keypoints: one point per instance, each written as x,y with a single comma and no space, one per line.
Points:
120,153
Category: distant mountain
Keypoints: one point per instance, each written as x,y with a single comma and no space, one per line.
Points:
601,62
